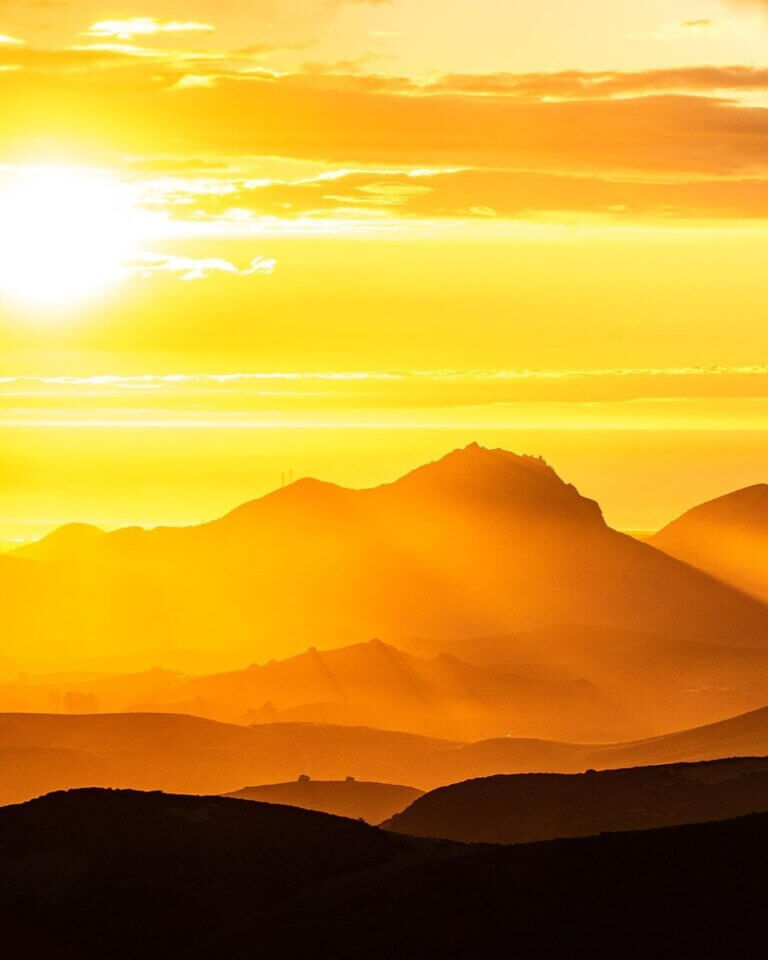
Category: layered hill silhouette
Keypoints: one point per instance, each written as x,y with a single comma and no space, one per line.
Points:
639,686
358,799
544,806
742,736
662,682
480,543
41,753
371,684
219,878
726,537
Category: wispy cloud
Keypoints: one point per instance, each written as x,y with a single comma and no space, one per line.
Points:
144,26
658,398
193,268
487,375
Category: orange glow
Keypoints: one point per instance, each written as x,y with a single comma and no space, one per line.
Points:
294,296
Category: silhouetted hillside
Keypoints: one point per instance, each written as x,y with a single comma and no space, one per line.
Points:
374,684
660,681
480,543
359,799
643,686
126,875
530,807
41,753
726,537
742,736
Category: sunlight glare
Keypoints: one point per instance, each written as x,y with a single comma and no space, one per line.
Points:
65,234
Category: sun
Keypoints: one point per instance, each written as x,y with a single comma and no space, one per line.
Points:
65,234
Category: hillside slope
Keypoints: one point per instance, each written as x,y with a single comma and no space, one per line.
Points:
726,537
129,875
530,807
480,543
358,799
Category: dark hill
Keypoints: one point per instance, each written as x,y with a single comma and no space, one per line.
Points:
530,807
157,877
359,799
144,875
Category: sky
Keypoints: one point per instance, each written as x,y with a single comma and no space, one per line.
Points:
242,241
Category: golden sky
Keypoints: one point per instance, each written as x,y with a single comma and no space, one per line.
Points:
342,236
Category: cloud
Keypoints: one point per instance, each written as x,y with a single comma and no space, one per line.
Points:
242,398
143,26
194,80
598,85
192,268
467,194
690,124
481,375
12,41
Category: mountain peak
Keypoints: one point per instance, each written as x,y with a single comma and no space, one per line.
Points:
495,477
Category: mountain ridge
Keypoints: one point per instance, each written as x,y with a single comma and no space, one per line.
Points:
480,543
726,537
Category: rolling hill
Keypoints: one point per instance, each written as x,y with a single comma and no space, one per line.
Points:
40,753
544,806
374,684
358,799
210,877
369,684
742,736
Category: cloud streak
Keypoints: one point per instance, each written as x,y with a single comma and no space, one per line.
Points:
198,268
144,27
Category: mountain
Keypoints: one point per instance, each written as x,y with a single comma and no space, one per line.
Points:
371,684
358,799
640,686
374,684
544,806
479,543
128,875
726,537
666,683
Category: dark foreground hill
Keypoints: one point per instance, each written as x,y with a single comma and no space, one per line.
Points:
544,806
97,874
372,802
